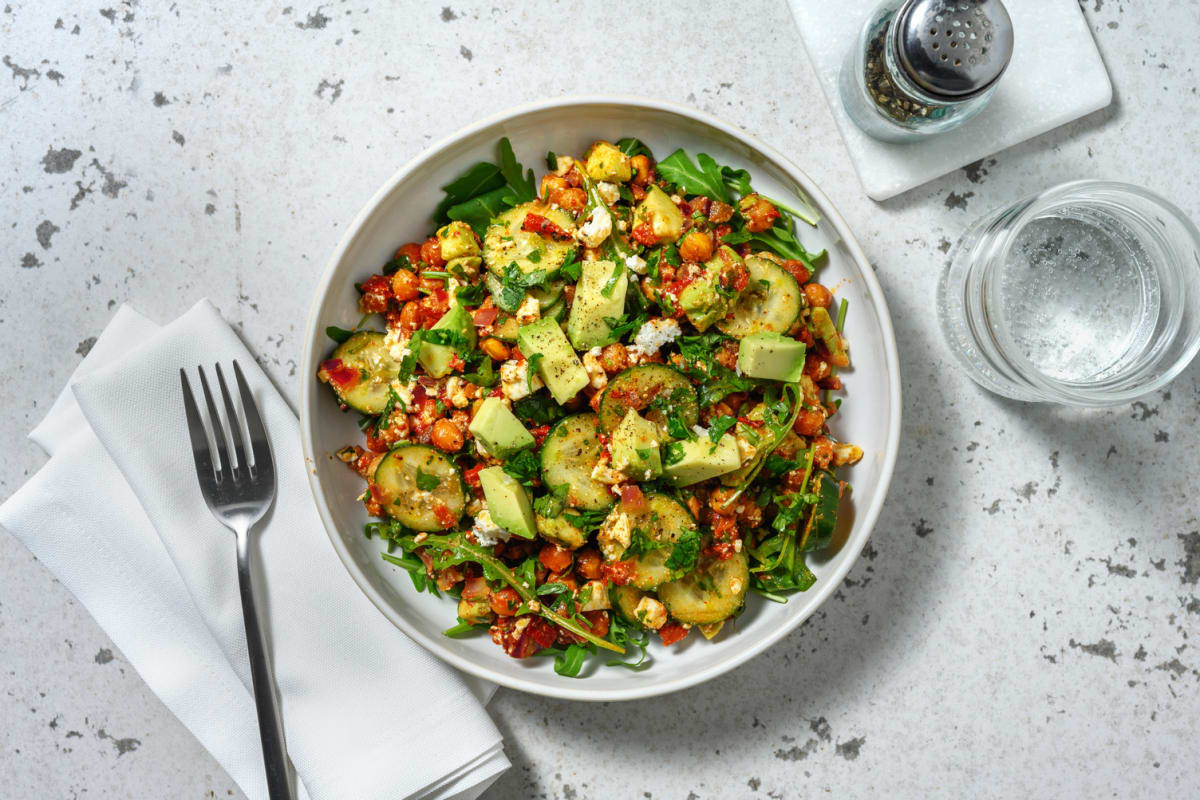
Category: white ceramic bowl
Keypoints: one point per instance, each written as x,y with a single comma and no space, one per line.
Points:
400,212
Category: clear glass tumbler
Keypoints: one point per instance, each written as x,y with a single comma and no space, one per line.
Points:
1087,294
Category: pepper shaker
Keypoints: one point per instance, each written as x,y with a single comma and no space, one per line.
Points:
920,67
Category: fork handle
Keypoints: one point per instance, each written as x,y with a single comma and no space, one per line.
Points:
270,725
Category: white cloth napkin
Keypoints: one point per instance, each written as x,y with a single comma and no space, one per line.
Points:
116,514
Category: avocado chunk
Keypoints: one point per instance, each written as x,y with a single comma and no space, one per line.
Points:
606,162
558,366
703,300
634,446
692,461
508,502
586,327
499,430
657,211
771,356
458,248
435,358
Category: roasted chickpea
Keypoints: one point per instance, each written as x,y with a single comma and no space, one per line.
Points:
569,199
587,563
817,295
431,252
411,251
696,246
410,316
404,285
760,214
614,358
822,452
446,436
552,183
809,423
494,349
642,171
505,602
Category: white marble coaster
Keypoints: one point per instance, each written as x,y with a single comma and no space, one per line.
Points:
1056,75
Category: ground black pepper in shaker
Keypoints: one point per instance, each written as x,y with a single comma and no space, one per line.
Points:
919,67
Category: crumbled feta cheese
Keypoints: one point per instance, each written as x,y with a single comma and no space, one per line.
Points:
636,263
656,333
608,191
529,311
596,593
700,431
636,355
746,450
456,392
405,392
452,286
594,369
487,532
622,225
614,536
563,165
650,613
514,379
596,229
605,473
396,341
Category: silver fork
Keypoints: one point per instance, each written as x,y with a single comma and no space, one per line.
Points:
239,492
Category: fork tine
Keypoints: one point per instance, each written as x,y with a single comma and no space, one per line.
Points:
200,448
235,429
259,443
219,436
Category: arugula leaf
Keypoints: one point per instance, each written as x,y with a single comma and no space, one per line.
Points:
339,335
555,587
552,505
622,633
427,482
685,552
718,426
531,369
523,466
478,212
778,239
633,147
462,629
539,409
484,376
521,188
705,179
470,294
737,179
569,662
478,179
611,284
551,160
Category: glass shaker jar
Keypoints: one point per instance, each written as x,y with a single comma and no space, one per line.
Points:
920,67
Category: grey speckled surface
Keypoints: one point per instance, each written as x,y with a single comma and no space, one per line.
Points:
1021,622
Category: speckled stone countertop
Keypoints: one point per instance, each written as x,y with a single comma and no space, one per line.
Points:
1020,624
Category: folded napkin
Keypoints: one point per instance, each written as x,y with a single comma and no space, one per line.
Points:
116,514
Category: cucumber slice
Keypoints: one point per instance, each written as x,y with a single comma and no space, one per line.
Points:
625,600
506,327
433,509
556,312
818,529
664,521
569,454
547,295
639,387
772,307
710,593
506,243
367,352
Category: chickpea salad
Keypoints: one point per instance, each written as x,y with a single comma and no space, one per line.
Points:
596,406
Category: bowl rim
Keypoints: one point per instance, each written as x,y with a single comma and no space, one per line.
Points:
577,689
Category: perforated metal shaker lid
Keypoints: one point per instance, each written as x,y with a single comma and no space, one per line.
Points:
953,48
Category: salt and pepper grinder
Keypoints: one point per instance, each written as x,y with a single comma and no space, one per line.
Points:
920,67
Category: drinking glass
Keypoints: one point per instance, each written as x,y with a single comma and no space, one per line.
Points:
1087,294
